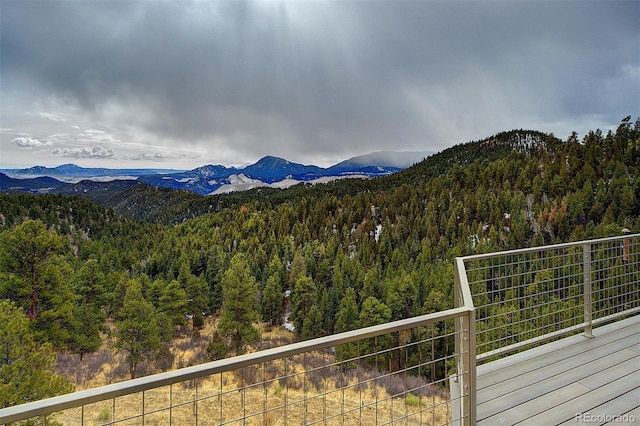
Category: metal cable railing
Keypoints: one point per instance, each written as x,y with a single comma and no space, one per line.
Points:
385,374
524,297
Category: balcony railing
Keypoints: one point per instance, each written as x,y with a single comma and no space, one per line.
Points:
524,297
416,371
394,372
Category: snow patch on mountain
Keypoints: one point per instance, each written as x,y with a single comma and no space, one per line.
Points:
243,183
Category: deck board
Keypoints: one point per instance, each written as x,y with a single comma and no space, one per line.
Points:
612,412
616,371
519,412
555,375
611,399
551,383
542,356
631,417
635,348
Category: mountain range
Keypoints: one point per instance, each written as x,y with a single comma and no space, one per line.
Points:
269,171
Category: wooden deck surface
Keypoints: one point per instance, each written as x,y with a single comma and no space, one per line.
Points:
575,380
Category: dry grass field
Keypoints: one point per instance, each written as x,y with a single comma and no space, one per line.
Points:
307,389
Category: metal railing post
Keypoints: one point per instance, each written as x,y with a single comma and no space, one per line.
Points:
588,304
472,367
465,344
463,370
457,400
468,356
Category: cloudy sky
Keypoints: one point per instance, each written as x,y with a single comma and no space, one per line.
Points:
183,84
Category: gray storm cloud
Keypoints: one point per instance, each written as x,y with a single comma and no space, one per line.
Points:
308,77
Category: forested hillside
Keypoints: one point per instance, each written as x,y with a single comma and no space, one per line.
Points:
351,253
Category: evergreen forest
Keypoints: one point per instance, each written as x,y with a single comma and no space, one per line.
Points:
138,268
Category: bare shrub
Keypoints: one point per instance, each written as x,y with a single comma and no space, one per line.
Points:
393,384
261,345
67,364
97,360
200,356
119,370
180,361
296,382
192,384
366,378
441,391
272,342
319,377
340,381
145,368
249,375
419,387
398,384
185,345
272,371
344,378
313,360
80,372
283,382
290,379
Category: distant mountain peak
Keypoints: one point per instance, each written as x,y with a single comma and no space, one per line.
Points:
396,159
272,169
271,161
68,168
206,179
213,171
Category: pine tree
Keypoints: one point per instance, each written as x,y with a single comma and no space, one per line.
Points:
197,300
347,319
347,316
213,277
33,279
272,297
136,329
26,367
173,304
298,269
239,305
312,324
304,295
86,325
374,312
217,348
88,319
25,253
275,266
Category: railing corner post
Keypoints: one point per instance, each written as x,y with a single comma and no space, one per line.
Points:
467,368
588,304
465,343
472,366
